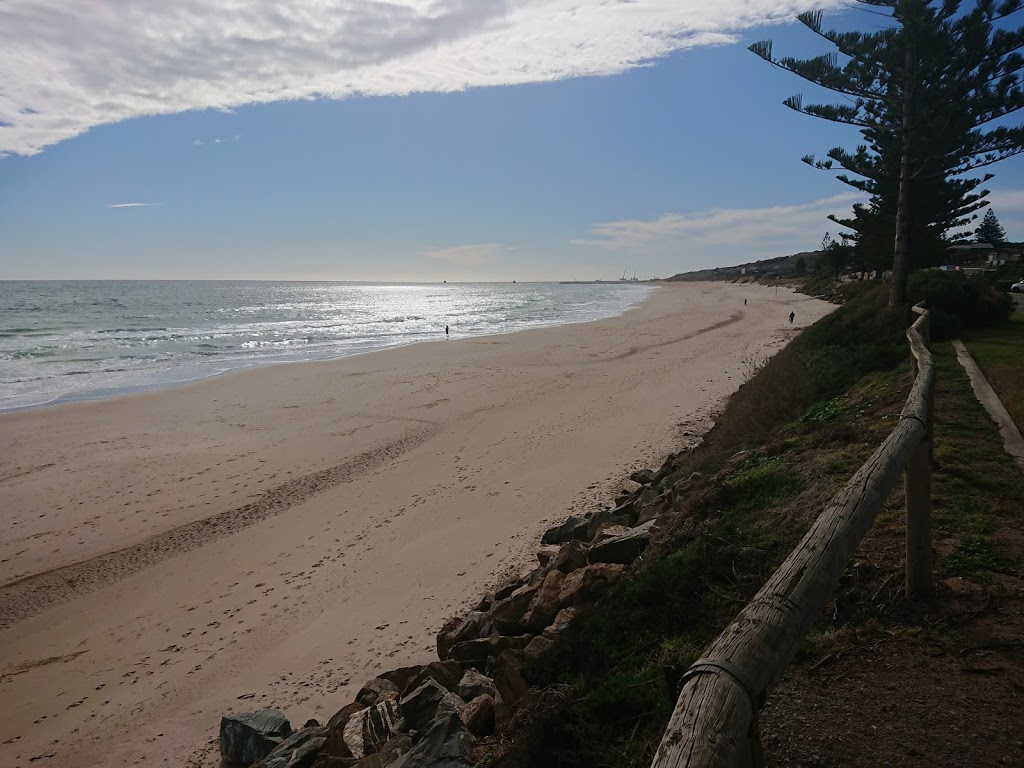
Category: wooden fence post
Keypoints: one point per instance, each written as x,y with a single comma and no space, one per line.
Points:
917,486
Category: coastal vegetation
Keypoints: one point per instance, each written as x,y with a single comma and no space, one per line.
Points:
787,441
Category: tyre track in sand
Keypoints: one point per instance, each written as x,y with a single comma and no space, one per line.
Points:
35,594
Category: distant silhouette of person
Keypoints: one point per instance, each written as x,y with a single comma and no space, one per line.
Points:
744,302
446,330
791,316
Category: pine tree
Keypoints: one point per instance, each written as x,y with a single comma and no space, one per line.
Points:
990,230
924,92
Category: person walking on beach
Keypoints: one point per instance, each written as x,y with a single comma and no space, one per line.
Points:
744,302
446,331
791,316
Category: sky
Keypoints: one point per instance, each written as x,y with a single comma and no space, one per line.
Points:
412,140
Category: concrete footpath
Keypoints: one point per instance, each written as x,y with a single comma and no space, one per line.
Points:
1012,439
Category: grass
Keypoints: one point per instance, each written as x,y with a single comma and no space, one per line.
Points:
999,352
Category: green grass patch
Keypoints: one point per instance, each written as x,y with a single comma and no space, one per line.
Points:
973,556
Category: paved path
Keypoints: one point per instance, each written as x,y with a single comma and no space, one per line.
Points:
1012,438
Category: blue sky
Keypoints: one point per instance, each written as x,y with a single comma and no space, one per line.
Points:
458,140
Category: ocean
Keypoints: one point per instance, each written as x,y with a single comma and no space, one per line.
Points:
76,340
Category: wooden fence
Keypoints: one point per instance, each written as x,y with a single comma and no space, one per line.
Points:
715,718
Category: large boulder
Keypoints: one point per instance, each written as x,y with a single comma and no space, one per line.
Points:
447,673
508,677
478,716
623,514
562,623
370,693
507,615
571,556
587,584
420,707
388,755
546,603
546,554
643,476
370,728
445,743
299,750
624,547
402,676
450,702
474,684
460,629
561,533
246,737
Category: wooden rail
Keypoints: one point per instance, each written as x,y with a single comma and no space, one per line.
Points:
715,719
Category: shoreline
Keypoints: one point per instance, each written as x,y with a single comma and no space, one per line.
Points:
206,369
272,538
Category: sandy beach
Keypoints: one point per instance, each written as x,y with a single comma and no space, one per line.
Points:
274,537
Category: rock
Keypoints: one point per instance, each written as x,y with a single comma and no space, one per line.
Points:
478,716
477,652
667,468
447,673
623,548
342,715
571,556
546,554
643,476
445,743
457,630
299,750
621,515
609,531
311,723
388,755
545,604
653,510
538,646
511,586
419,707
507,615
473,684
370,693
246,737
508,677
367,730
562,623
329,761
402,676
450,702
561,533
584,585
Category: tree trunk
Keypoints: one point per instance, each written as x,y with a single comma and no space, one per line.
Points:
901,249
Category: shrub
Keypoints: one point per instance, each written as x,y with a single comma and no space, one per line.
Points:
958,302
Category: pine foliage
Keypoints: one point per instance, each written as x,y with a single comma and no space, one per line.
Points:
990,230
931,88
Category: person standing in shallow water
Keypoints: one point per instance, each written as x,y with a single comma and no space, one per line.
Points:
791,316
446,331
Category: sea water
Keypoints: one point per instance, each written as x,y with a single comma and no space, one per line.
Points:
75,340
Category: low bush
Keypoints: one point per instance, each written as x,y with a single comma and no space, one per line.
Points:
958,302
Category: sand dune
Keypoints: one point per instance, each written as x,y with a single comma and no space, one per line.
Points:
275,536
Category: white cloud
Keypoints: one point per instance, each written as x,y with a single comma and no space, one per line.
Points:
69,66
469,255
762,228
132,205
